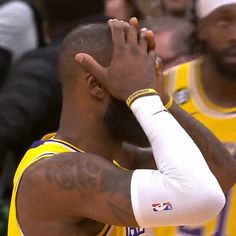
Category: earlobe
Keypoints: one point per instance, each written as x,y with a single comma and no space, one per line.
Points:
95,88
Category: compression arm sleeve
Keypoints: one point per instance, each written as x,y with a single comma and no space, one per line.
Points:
183,190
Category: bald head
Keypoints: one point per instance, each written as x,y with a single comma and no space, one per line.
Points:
87,105
93,39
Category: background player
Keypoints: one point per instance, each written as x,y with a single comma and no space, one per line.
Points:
206,89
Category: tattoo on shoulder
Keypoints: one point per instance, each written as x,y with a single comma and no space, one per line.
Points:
70,174
91,177
85,174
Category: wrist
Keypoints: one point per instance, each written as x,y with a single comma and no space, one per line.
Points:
168,101
140,93
147,105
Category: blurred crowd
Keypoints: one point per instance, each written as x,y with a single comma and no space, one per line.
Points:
196,44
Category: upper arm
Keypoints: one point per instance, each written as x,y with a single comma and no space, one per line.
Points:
144,159
133,157
81,185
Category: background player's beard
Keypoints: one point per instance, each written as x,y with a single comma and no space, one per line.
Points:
123,125
218,57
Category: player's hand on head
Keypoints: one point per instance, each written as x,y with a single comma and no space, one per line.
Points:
133,62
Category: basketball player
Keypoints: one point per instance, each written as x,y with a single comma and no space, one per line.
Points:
206,88
70,183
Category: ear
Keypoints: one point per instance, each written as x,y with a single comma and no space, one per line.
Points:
95,88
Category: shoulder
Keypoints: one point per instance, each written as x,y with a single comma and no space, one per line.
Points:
178,77
69,178
173,70
66,171
49,181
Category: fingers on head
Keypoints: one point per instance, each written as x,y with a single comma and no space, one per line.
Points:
127,33
118,31
151,40
132,35
134,22
90,65
123,33
143,40
147,40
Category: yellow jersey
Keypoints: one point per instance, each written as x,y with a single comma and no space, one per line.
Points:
184,83
45,148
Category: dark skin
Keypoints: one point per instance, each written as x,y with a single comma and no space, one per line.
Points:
218,158
217,32
90,187
84,189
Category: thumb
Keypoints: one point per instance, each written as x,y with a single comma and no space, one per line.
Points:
161,82
159,66
90,65
151,40
159,75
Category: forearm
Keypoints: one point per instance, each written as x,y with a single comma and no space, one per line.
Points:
179,160
216,155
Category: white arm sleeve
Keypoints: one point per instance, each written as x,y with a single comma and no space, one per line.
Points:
183,190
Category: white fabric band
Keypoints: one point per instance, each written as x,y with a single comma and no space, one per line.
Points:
183,191
206,7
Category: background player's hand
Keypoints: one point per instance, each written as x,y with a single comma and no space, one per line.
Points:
133,62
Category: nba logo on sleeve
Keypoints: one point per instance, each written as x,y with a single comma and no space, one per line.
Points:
162,207
135,231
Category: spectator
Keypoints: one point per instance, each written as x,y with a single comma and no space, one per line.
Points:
122,9
206,89
173,39
18,33
32,93
181,9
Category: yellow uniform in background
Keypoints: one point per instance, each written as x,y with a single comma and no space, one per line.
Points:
46,148
185,84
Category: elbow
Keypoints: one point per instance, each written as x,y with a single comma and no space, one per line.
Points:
213,204
208,204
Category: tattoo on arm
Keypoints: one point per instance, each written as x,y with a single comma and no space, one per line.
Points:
92,176
216,155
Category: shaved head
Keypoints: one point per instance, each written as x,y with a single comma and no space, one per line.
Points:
96,40
93,39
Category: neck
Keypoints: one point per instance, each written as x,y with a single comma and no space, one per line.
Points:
88,135
218,87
